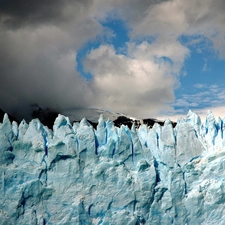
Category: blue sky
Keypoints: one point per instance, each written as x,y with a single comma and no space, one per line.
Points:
202,88
141,58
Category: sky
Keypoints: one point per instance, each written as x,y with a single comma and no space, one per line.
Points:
145,58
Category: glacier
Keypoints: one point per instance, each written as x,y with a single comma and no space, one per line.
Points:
75,174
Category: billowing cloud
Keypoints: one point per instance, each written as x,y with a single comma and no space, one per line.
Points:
141,83
38,54
171,19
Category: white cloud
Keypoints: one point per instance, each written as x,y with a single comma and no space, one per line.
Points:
171,19
205,66
200,86
136,84
203,98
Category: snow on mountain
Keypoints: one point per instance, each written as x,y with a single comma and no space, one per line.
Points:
75,174
92,114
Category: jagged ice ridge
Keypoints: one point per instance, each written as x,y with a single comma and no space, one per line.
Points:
78,175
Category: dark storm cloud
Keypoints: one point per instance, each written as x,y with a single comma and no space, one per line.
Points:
15,14
38,45
29,75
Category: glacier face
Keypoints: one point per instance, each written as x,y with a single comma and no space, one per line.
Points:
78,175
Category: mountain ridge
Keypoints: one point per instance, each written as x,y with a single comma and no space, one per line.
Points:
47,117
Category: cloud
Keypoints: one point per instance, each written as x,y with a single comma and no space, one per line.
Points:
35,71
25,13
200,86
205,67
171,19
201,98
141,83
38,63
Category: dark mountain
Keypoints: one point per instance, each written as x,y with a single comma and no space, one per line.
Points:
11,118
47,117
137,122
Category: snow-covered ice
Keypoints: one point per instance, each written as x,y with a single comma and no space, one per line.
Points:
78,175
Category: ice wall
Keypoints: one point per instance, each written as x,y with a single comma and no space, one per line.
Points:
78,175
